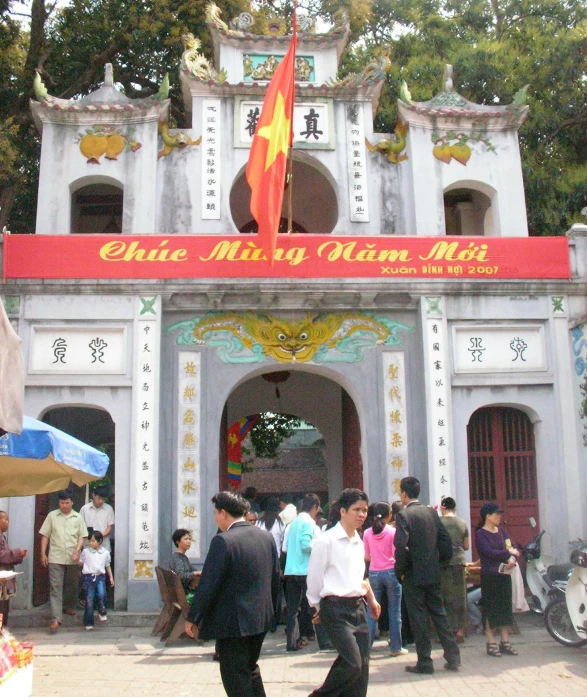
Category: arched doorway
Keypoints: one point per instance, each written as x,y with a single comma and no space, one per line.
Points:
314,199
502,468
470,208
97,206
331,422
96,428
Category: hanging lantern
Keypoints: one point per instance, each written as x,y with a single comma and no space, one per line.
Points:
277,378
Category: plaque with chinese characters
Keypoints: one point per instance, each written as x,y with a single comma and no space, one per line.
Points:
78,350
311,124
499,349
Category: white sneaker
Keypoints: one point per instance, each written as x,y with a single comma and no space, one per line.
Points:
103,618
89,628
401,652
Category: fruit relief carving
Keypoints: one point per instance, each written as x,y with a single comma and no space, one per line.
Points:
455,146
106,140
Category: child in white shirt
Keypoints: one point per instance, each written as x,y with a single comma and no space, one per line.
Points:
95,562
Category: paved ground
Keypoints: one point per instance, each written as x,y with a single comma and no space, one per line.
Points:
128,662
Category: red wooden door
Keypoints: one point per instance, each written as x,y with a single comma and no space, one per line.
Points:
352,463
502,468
40,573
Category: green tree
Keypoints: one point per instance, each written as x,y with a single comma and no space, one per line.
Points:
270,431
70,46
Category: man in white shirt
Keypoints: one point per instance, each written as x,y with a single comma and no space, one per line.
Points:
336,588
98,515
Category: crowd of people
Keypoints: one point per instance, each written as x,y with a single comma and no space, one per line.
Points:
332,573
335,572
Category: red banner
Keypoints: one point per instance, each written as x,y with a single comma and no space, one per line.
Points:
296,256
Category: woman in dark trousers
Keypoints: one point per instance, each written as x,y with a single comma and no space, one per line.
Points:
497,558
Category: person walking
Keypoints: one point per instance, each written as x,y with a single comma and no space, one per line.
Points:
8,558
378,541
337,590
453,582
98,515
497,559
422,544
234,602
271,522
300,539
64,529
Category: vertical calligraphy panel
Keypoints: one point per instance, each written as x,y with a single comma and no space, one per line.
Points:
145,435
211,159
188,448
357,164
438,400
396,429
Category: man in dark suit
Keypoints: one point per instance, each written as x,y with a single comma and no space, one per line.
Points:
422,544
234,602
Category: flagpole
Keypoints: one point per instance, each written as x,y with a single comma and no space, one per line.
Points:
290,153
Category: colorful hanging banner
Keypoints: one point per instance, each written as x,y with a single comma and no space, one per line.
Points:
236,434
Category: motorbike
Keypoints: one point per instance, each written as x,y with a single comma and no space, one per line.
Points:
542,577
565,615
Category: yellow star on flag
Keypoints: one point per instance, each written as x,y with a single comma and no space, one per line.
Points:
277,132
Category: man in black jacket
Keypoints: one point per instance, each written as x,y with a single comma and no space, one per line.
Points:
422,544
234,602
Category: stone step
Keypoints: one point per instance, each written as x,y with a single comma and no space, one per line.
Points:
41,617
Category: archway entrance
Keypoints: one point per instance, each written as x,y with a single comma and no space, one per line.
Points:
96,428
323,454
314,199
502,468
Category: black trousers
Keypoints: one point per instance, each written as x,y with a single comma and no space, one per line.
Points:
345,621
298,619
239,670
427,599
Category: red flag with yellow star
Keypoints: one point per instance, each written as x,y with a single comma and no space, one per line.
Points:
268,157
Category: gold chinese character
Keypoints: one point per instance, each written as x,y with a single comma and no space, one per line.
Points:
396,483
232,439
189,394
190,368
189,440
394,393
188,417
189,512
392,372
396,440
189,464
397,463
188,487
395,417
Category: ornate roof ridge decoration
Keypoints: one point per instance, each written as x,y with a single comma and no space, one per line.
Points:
373,72
453,107
275,31
196,64
106,100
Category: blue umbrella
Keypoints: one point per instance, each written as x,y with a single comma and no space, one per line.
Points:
43,459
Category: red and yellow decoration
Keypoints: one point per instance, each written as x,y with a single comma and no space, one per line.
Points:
446,150
268,157
236,434
106,140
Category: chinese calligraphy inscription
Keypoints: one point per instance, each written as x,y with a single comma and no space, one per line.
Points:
394,398
188,447
357,167
211,158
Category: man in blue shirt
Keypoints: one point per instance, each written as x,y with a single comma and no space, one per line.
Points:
299,545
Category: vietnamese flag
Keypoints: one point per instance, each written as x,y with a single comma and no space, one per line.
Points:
268,157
